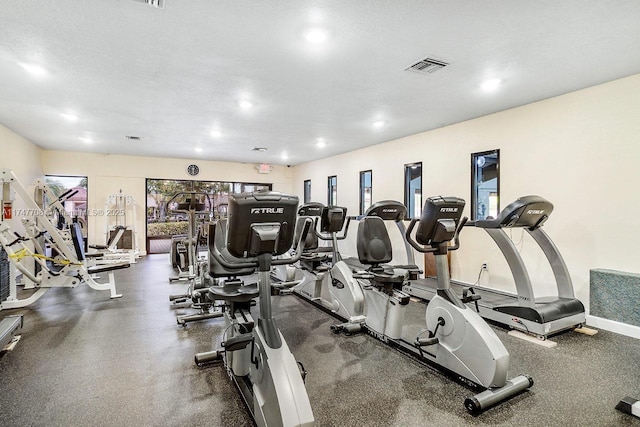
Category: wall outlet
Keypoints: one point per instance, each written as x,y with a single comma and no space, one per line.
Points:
485,266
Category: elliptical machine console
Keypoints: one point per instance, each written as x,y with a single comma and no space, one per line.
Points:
260,225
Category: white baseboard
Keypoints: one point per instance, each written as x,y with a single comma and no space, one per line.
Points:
613,326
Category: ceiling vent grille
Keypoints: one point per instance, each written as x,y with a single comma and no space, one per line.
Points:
133,138
259,149
426,66
158,4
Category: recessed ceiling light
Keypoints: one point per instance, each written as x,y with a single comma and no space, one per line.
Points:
245,105
86,140
69,116
379,124
491,84
285,156
198,150
216,133
34,70
316,35
321,143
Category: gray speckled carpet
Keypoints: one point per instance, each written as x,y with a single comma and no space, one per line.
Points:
87,360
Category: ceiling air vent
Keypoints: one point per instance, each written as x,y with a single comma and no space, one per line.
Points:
260,149
159,4
426,66
133,138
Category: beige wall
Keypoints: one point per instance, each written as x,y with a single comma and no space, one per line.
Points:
20,155
580,151
107,174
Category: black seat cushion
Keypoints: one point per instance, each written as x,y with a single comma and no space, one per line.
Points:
374,244
234,292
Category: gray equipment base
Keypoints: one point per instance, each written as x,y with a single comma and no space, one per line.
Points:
8,327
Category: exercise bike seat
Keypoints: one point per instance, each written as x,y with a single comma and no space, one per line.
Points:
374,249
234,292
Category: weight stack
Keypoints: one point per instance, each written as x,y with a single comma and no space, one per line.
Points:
5,268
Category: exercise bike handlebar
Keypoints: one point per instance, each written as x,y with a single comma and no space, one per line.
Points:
253,262
420,248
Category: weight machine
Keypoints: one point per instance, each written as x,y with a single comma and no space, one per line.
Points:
59,260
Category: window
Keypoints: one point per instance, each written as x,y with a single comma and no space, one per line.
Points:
72,194
413,189
163,223
307,191
332,195
485,184
365,191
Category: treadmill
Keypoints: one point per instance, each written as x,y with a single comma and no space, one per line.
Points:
543,316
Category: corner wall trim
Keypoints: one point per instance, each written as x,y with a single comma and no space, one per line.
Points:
614,326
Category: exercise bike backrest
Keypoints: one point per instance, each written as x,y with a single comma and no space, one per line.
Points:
527,212
440,223
217,242
261,225
388,210
373,243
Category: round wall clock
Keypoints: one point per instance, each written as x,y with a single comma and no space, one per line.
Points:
193,170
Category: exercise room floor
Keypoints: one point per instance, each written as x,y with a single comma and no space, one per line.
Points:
87,360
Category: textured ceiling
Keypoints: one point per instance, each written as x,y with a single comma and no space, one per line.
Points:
172,75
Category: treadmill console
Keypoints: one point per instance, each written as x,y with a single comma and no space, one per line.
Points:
528,211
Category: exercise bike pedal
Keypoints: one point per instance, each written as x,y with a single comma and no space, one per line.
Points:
179,300
347,328
208,357
424,342
238,342
469,295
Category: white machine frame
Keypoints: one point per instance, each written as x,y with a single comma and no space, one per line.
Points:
73,271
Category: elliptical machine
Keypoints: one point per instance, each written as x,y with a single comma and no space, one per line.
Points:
260,225
184,256
459,340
